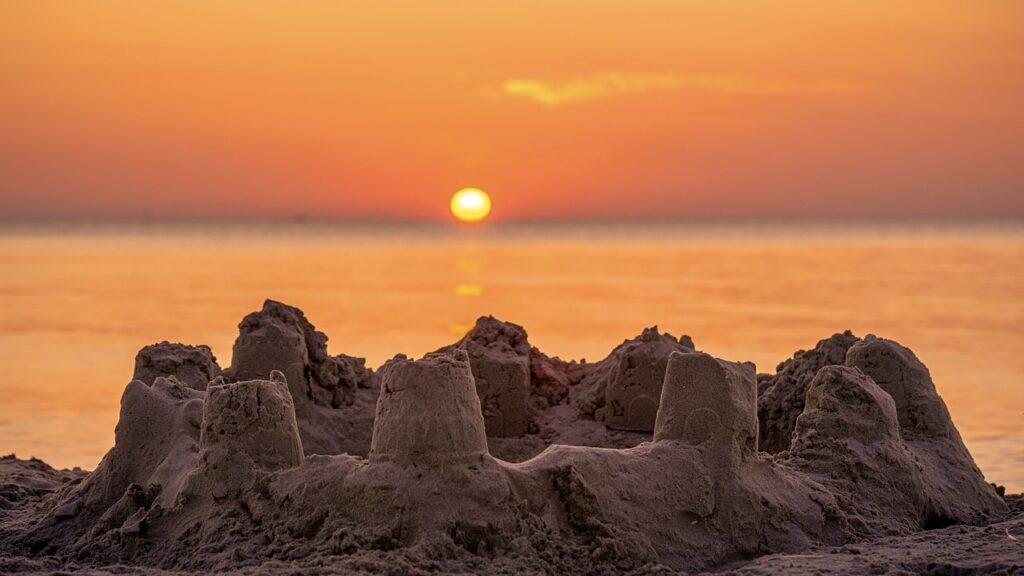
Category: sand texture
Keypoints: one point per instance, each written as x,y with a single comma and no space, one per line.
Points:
488,456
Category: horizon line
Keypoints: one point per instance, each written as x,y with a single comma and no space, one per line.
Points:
499,222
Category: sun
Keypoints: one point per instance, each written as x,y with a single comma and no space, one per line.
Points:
471,205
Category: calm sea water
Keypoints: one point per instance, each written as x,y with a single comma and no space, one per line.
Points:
77,302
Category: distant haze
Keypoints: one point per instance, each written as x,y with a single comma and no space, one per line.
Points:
870,108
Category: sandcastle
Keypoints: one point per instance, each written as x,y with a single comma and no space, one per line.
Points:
205,477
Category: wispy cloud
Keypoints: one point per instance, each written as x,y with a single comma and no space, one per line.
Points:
589,88
612,84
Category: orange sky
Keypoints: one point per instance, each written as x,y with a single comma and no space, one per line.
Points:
571,109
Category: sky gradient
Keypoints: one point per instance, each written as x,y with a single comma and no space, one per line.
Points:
383,109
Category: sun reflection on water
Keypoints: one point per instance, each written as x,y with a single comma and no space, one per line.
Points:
468,290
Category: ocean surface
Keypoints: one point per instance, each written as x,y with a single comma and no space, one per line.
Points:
78,301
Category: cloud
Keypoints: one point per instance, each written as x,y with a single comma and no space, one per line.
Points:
590,88
613,84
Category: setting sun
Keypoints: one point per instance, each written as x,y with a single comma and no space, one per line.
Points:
471,205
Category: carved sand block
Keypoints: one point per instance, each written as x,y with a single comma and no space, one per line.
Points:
706,401
247,426
428,413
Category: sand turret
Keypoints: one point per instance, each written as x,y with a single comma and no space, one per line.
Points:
428,413
514,380
499,356
193,366
247,426
709,401
266,342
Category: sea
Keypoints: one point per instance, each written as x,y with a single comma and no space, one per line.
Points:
78,300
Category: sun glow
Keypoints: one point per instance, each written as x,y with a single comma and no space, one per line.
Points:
471,205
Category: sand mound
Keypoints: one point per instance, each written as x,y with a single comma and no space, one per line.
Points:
956,489
26,481
848,437
156,443
223,480
872,401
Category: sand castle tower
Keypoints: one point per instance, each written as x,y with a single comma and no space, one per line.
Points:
706,401
428,412
634,384
271,346
247,426
193,366
499,355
